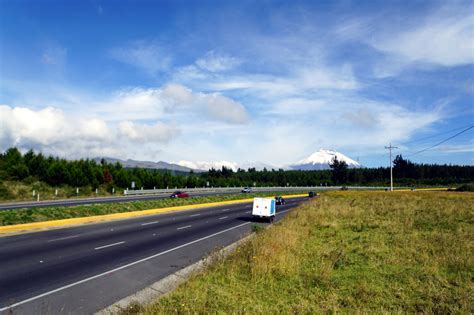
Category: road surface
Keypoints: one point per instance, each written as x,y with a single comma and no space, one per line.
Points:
88,201
84,269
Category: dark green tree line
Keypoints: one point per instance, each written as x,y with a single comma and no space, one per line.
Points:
85,172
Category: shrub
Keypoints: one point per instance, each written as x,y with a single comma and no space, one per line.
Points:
466,187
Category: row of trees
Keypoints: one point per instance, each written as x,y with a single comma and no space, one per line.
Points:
55,171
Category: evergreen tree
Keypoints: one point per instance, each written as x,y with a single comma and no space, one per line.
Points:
339,171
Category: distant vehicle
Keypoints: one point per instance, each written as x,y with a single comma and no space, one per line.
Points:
179,194
279,200
264,208
246,190
312,194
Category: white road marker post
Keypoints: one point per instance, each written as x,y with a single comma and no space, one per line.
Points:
34,193
391,165
38,197
56,192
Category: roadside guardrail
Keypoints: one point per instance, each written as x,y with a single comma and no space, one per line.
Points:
135,192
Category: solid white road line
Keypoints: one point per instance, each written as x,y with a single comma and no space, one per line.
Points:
118,268
184,227
148,223
64,238
223,218
195,215
110,245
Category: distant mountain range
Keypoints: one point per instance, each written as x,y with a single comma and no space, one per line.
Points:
160,165
319,160
204,166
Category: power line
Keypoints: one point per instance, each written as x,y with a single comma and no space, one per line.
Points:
434,136
445,140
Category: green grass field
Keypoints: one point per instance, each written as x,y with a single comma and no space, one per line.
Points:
348,252
18,216
23,191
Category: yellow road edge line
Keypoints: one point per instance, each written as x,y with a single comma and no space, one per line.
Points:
121,215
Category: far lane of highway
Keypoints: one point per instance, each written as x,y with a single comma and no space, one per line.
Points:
88,201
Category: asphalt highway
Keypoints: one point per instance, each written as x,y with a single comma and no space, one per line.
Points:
87,201
86,268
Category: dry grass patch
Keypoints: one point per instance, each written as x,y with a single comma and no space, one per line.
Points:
346,252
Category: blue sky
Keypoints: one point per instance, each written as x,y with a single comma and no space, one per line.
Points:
257,81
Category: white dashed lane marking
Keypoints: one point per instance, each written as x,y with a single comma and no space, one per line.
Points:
64,238
110,245
148,223
184,227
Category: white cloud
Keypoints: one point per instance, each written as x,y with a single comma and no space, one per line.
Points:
419,40
44,127
189,73
300,80
444,38
147,133
456,148
170,101
148,56
132,104
225,109
362,117
214,62
51,130
323,78
295,106
94,129
179,94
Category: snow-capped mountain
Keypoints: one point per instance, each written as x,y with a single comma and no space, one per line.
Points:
259,166
320,160
205,166
317,161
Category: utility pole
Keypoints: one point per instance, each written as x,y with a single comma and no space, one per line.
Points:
391,165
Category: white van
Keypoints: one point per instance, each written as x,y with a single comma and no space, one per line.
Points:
264,208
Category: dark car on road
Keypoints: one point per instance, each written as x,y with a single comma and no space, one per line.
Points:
279,200
179,194
246,190
312,194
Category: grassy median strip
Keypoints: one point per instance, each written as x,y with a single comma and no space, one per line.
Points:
21,216
368,252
